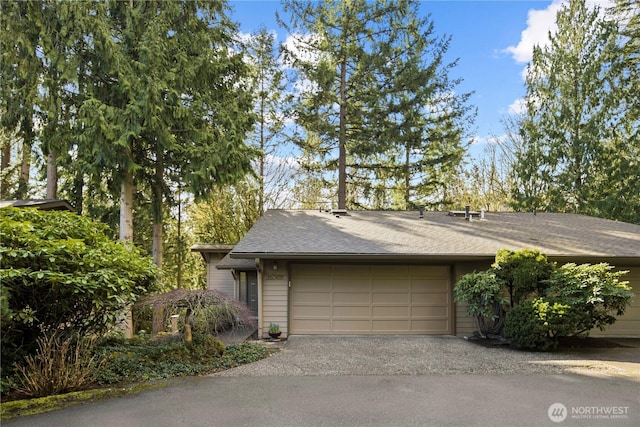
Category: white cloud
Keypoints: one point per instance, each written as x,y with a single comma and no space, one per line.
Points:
517,107
539,23
299,46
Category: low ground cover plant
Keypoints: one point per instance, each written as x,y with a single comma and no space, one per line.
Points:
538,302
64,365
144,360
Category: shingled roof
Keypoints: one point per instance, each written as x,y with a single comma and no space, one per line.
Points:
305,234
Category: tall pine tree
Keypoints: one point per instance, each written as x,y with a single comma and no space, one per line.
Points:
376,106
580,155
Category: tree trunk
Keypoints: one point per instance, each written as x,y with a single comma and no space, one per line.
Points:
5,160
157,209
126,229
342,155
77,191
407,177
25,169
157,318
188,322
126,207
52,176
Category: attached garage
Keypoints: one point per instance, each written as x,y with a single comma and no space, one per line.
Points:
390,272
370,299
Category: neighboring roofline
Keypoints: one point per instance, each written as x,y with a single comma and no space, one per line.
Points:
614,260
42,204
217,248
211,248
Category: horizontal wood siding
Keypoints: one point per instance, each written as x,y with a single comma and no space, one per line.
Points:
275,303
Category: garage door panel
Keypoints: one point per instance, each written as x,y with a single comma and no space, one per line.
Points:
379,299
349,271
426,311
391,298
323,311
429,299
313,326
391,311
426,285
312,297
390,326
315,283
352,298
389,271
357,285
429,326
351,326
351,311
390,285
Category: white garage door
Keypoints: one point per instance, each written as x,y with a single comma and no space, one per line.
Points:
370,299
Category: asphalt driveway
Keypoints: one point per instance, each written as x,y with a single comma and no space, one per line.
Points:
386,381
426,355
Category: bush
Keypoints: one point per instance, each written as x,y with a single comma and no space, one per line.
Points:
525,273
537,324
59,365
482,291
593,291
62,271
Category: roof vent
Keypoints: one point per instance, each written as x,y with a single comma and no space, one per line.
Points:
339,212
469,215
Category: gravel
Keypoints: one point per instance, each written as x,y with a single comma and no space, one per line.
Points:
429,355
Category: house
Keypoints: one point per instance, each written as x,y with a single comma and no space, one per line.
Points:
391,272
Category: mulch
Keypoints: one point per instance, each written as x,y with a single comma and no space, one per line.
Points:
566,343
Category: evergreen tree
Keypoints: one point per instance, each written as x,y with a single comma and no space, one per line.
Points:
376,104
577,122
269,84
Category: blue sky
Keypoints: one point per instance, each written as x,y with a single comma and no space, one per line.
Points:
492,39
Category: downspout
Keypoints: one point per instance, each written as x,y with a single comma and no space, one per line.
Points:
259,267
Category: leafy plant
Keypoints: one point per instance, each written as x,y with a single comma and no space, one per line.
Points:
538,323
274,328
482,291
595,292
525,273
60,270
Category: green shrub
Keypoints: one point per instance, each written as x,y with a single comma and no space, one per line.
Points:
538,323
525,273
59,365
482,291
61,270
594,291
